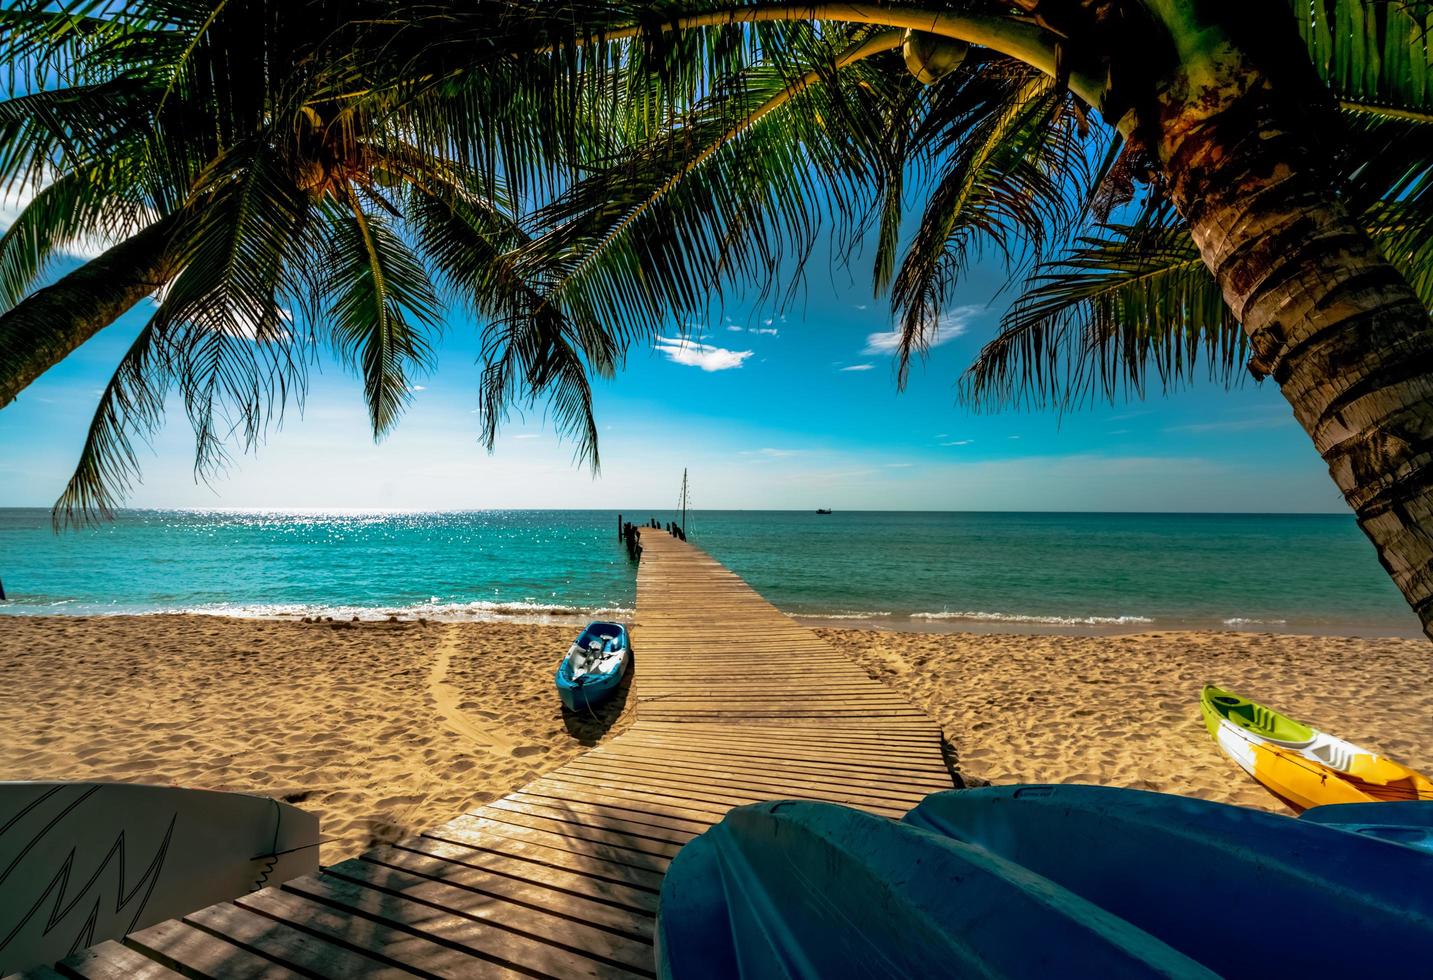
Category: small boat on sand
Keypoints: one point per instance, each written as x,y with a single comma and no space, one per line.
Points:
1301,765
593,667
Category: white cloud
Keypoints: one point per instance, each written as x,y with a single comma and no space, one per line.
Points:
683,351
735,329
772,453
1014,437
768,331
953,323
958,442
530,435
417,388
899,466
1272,420
858,367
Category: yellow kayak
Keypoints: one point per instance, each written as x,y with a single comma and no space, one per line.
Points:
1301,765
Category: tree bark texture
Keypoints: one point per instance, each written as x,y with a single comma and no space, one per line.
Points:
52,322
1329,319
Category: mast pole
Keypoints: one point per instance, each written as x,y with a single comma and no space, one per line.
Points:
684,501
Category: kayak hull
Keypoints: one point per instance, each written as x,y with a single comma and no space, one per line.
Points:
1300,765
1246,893
805,890
591,691
581,688
1409,824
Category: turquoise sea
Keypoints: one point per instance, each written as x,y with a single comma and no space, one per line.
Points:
898,569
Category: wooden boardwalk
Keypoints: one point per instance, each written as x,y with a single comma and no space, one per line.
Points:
736,703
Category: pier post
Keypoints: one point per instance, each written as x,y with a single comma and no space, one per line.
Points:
619,527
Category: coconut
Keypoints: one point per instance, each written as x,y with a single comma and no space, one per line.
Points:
931,57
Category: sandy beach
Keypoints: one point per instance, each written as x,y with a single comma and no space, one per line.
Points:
386,729
1123,710
382,729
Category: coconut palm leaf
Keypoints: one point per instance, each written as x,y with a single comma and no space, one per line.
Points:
1001,187
1375,55
130,407
1111,311
382,308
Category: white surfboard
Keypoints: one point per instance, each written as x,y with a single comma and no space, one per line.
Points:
84,862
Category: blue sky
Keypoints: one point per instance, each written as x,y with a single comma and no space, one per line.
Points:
768,411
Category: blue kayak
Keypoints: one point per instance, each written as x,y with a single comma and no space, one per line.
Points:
1246,893
595,664
1406,822
1040,881
815,890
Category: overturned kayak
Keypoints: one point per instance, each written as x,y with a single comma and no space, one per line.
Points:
1299,764
1321,901
594,666
812,890
1408,824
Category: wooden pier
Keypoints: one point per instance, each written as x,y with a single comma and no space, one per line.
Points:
735,703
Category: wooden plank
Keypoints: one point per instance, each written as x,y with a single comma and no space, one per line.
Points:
502,938
598,887
300,951
620,919
112,961
505,836
557,920
550,850
186,949
409,949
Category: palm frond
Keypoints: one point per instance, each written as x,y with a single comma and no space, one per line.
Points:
130,407
1099,320
1001,187
382,308
1375,55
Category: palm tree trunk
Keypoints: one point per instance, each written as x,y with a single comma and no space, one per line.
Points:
1329,319
50,323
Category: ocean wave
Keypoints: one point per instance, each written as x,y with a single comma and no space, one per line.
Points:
477,610
840,615
996,617
1240,621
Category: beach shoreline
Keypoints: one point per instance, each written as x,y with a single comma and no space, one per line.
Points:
389,729
921,623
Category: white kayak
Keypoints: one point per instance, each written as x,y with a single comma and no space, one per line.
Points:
84,862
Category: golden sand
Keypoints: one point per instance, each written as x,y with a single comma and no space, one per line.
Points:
383,730
386,730
1124,711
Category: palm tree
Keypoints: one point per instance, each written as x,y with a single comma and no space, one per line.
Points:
752,128
211,145
1229,114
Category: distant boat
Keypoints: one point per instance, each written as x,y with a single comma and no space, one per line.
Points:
1301,765
823,510
593,667
87,862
